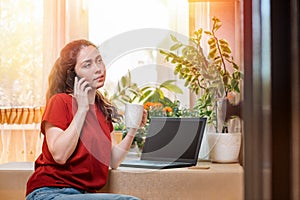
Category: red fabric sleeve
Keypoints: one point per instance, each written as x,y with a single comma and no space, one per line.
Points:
57,113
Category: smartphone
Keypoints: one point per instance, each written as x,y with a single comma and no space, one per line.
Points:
88,85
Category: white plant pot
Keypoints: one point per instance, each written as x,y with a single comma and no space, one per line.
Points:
224,147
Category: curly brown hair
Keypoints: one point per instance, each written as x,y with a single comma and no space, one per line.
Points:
62,76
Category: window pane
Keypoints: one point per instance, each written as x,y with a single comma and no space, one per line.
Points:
112,20
21,52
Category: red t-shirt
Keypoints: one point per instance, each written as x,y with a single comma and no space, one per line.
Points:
87,167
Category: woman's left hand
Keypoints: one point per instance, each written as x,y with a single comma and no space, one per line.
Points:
144,119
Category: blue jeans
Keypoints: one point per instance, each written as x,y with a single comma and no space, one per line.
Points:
53,193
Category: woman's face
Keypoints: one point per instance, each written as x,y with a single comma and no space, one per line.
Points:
90,66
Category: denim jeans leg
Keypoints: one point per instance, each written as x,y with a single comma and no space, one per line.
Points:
96,196
51,193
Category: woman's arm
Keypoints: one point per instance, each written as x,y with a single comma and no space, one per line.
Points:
119,151
62,143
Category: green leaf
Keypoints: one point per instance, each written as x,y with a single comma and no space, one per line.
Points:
208,33
123,81
146,95
173,88
217,24
212,53
173,38
126,98
211,41
175,46
122,92
146,88
225,49
168,82
133,91
235,66
236,75
235,85
176,71
134,86
223,42
160,93
118,87
186,83
227,56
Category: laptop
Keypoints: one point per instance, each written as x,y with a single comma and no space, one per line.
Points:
170,143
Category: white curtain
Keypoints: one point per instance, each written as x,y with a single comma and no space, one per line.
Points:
64,21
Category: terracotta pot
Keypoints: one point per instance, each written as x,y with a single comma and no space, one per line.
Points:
118,136
7,115
24,116
37,115
19,116
3,117
30,116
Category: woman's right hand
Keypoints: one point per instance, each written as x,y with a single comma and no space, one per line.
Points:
61,145
81,89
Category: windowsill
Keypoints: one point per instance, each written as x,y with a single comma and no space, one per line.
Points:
219,181
20,126
17,166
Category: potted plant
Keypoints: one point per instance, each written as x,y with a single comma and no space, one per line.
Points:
129,92
119,128
214,78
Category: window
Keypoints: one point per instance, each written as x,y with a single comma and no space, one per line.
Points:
21,30
110,21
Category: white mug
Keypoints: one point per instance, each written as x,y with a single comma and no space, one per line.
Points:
133,115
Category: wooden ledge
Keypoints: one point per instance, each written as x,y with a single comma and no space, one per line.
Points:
218,181
208,181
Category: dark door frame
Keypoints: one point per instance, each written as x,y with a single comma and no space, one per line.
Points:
271,108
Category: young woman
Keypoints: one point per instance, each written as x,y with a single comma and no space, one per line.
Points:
77,124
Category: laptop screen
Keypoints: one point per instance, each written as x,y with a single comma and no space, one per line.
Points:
174,139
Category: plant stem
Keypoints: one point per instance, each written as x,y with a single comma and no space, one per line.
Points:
222,60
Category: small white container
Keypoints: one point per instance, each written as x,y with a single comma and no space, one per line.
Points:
224,147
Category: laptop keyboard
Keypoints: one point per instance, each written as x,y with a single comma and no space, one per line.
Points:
153,163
